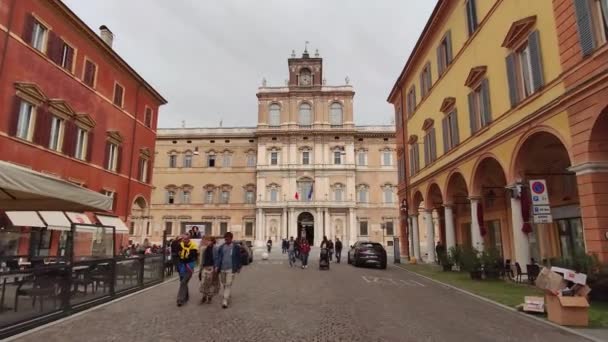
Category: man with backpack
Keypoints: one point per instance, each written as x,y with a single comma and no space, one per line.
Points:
338,247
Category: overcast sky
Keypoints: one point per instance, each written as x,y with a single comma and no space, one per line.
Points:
207,58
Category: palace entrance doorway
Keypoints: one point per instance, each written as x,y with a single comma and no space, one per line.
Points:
306,227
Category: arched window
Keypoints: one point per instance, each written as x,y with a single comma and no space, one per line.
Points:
305,115
335,114
274,115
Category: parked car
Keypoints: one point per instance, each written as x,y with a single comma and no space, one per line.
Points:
364,253
246,253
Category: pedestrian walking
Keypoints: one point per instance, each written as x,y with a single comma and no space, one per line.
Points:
228,264
304,252
439,251
324,243
187,260
285,245
338,247
174,246
269,245
291,251
207,276
330,249
297,248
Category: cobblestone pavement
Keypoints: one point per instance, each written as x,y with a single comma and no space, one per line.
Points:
273,302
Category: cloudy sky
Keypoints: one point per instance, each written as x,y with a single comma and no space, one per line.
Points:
208,57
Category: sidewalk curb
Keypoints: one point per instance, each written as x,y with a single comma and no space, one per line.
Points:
97,307
505,307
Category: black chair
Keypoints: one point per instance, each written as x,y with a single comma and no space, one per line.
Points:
101,275
520,274
37,262
533,271
82,278
43,285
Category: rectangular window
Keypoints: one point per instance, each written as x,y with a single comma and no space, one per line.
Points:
26,121
274,158
339,193
249,229
209,197
81,144
389,228
110,194
361,158
39,37
450,131
426,81
227,160
363,195
471,16
90,73
388,195
251,160
187,160
112,157
186,197
223,228
363,228
430,149
525,70
143,170
118,95
170,197
444,53
173,160
148,117
225,197
410,102
337,157
479,107
56,133
306,158
274,195
414,159
387,157
249,197
169,227
211,160
67,57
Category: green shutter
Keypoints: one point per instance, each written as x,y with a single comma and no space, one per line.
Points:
585,28
446,142
536,57
472,113
485,100
512,78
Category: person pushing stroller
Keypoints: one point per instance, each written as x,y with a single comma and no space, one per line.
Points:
324,257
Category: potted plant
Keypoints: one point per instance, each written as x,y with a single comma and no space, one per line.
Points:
445,261
455,256
491,261
471,262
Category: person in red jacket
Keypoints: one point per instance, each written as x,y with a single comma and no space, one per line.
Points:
304,251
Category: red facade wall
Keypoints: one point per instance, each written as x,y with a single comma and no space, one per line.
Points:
19,62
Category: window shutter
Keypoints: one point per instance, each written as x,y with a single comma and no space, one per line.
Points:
433,145
90,142
448,43
55,47
446,142
422,86
537,62
485,99
454,128
14,118
106,158
512,78
69,58
42,129
140,169
585,26
28,28
440,65
69,139
413,99
119,160
427,148
429,77
149,175
115,202
472,113
416,157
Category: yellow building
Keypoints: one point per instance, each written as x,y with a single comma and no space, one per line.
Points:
481,99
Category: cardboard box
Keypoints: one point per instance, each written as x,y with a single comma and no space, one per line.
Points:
570,275
571,311
549,280
534,304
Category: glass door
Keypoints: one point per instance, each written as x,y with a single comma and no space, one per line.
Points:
494,239
571,240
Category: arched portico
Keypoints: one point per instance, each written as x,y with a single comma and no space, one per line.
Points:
457,211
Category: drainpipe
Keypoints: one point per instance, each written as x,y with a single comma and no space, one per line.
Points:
7,37
128,202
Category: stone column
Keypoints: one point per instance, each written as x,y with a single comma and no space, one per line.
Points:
352,229
520,239
450,235
258,228
327,230
293,224
318,229
476,238
415,237
430,236
283,224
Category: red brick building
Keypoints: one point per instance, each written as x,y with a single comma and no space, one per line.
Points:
70,106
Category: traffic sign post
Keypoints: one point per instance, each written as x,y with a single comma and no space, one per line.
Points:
541,210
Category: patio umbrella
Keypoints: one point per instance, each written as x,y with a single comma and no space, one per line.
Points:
482,228
525,211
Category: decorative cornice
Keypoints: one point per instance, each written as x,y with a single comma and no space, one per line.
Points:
475,75
114,136
30,92
447,104
61,108
518,30
428,123
85,120
589,167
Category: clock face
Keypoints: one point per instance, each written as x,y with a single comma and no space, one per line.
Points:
305,79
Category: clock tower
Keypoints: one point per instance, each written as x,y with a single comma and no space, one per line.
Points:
306,71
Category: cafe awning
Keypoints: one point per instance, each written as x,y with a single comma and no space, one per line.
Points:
56,220
113,221
25,189
25,219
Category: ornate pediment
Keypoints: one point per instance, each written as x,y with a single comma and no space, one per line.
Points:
114,137
428,123
518,30
85,121
30,92
447,104
145,152
475,76
413,139
61,108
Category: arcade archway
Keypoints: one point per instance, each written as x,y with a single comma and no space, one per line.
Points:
306,227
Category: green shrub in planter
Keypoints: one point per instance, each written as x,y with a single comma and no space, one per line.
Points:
471,262
455,256
492,262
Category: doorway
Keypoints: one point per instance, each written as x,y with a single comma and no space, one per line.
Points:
306,227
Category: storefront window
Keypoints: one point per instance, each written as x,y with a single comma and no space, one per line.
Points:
494,236
570,233
534,243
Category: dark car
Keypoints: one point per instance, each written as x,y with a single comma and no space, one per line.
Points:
246,253
364,253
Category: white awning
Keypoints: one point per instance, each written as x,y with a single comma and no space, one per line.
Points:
25,219
78,218
22,188
56,220
113,221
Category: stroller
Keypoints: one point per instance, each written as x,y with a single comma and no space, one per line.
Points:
324,259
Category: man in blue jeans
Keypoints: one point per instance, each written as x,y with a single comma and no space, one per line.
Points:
188,254
228,263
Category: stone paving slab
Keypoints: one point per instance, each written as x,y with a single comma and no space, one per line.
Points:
273,302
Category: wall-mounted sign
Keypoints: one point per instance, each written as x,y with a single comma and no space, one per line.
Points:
543,219
538,190
541,210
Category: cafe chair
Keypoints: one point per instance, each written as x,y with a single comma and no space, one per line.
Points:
101,275
520,274
533,271
43,285
83,278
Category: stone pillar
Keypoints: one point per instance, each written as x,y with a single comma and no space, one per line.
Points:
318,229
430,236
352,227
258,228
450,235
415,237
327,229
476,238
520,239
293,224
284,224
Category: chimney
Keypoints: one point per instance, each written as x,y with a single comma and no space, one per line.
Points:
106,35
